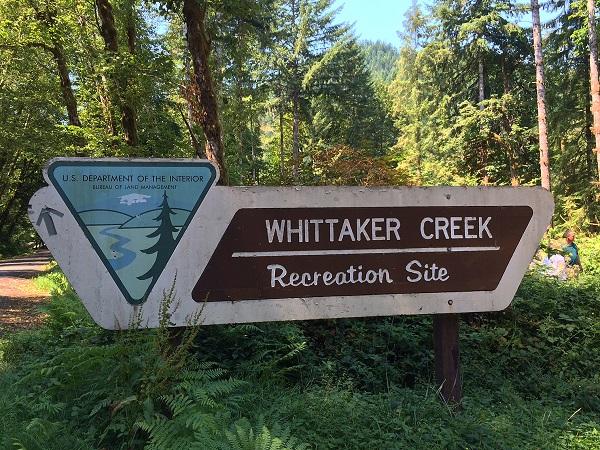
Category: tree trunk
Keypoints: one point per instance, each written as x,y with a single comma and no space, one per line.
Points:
242,115
128,114
47,19
506,84
281,147
193,139
130,27
188,117
594,83
65,84
107,25
589,137
111,43
253,153
485,179
204,91
481,84
106,104
295,102
99,78
240,137
295,141
541,96
419,152
510,152
129,123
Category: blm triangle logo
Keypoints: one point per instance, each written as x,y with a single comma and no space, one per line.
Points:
133,213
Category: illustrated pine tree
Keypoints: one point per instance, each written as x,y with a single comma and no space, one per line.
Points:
165,244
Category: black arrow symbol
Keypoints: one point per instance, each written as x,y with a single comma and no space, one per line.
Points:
46,216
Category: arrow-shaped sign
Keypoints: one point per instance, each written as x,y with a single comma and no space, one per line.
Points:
46,216
133,228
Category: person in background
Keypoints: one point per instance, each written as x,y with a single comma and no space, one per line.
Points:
571,249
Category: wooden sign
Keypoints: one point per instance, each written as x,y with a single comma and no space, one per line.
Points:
321,252
250,254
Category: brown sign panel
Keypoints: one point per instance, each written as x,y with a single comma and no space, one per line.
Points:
278,253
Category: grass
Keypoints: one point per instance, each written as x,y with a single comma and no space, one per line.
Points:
531,379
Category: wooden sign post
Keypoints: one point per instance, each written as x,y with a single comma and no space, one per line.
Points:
447,357
125,231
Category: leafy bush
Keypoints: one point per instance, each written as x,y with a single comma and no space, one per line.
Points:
530,374
125,389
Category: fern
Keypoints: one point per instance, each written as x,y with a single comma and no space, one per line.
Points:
194,409
82,387
243,437
197,417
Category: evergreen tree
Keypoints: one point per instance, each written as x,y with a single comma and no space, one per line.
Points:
165,244
570,120
594,84
541,95
345,106
427,83
304,30
381,59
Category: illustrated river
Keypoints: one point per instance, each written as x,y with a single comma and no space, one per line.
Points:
127,256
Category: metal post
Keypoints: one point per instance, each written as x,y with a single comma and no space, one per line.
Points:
447,357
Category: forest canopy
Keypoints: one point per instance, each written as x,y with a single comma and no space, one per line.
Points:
282,92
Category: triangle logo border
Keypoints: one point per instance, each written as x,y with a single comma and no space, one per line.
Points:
120,163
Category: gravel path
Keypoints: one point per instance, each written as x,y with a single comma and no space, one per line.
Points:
19,298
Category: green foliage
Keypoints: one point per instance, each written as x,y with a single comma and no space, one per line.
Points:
495,127
448,133
87,377
128,389
530,379
243,437
194,416
345,107
289,77
37,41
381,59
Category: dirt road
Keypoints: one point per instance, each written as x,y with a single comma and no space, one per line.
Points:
19,298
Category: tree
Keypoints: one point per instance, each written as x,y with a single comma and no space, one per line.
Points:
38,25
497,128
202,88
165,244
35,124
594,83
541,96
345,107
108,30
381,59
570,120
482,39
242,50
340,165
304,32
410,107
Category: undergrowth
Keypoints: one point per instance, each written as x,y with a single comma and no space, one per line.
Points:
531,379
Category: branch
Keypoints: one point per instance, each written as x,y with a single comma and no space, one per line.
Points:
29,44
195,141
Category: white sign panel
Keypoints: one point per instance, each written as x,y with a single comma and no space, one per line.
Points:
124,231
